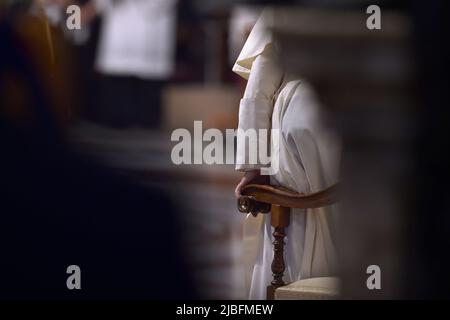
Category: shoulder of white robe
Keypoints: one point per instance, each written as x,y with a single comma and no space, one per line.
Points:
259,39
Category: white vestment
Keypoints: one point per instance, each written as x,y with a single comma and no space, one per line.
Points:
308,157
137,38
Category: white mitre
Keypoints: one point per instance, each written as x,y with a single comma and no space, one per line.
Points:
259,40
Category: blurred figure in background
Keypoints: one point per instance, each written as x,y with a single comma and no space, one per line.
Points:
136,55
59,209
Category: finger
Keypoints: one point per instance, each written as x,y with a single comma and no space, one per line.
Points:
237,191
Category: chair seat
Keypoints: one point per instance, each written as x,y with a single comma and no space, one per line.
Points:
310,289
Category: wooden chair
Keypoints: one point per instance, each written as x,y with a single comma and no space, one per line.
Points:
278,201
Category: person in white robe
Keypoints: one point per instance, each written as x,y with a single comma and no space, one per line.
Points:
138,38
308,161
135,58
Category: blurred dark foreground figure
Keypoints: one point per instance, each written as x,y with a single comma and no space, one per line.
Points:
58,210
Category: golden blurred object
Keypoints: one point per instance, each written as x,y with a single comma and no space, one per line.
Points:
43,47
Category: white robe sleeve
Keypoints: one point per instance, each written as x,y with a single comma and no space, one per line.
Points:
255,111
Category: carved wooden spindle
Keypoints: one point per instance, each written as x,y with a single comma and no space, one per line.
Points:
278,265
279,220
